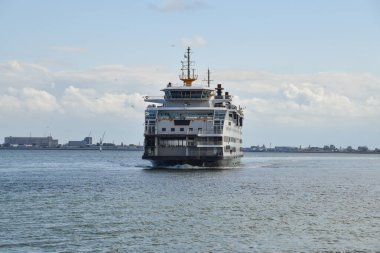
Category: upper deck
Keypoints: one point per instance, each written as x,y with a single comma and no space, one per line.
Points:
188,95
188,92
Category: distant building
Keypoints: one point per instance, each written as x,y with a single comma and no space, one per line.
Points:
81,144
38,142
285,149
363,149
88,140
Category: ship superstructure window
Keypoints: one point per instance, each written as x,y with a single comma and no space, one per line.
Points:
190,129
150,114
185,115
218,126
189,94
163,129
181,122
219,114
172,142
181,129
172,129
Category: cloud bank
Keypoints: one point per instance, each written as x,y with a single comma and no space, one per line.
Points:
115,92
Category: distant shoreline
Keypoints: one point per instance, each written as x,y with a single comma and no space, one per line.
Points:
137,149
74,149
316,152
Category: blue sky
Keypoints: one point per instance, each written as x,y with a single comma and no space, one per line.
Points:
307,71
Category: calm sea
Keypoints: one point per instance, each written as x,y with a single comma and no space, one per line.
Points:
91,201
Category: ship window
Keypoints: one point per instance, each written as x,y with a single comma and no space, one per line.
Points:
150,114
185,115
196,94
186,94
163,129
172,129
172,142
229,123
219,114
181,129
181,122
168,94
200,129
190,129
206,94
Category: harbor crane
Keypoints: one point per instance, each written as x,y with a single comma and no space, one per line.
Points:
101,141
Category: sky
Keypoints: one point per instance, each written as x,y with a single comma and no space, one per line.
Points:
306,72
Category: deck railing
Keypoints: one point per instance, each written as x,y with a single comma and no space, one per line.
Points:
213,131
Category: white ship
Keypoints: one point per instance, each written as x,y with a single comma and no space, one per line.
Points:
193,124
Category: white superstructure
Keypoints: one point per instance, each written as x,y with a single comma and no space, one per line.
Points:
192,124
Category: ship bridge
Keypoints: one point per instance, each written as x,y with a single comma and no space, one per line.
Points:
188,93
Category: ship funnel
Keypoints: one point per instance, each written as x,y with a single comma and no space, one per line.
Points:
219,90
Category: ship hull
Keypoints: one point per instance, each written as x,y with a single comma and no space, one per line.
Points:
207,162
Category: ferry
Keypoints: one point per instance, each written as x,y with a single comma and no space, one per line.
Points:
193,124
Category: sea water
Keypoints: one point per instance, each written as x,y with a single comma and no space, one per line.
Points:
91,201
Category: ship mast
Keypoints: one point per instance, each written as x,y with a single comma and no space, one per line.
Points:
189,77
208,77
208,80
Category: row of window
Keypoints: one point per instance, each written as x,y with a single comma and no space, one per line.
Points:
185,115
232,149
205,94
182,142
181,129
232,139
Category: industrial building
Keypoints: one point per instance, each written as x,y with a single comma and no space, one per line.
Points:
84,143
38,142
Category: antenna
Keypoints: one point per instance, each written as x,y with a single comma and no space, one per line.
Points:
208,78
186,66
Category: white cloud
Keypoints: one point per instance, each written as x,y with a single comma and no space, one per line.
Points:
321,98
68,49
39,100
19,75
178,5
196,41
104,78
89,102
9,103
28,100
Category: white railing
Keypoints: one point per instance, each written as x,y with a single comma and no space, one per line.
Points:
214,131
210,143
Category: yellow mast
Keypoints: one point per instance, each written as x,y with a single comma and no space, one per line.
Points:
189,77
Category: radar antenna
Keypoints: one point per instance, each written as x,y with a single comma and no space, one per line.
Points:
208,78
189,77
